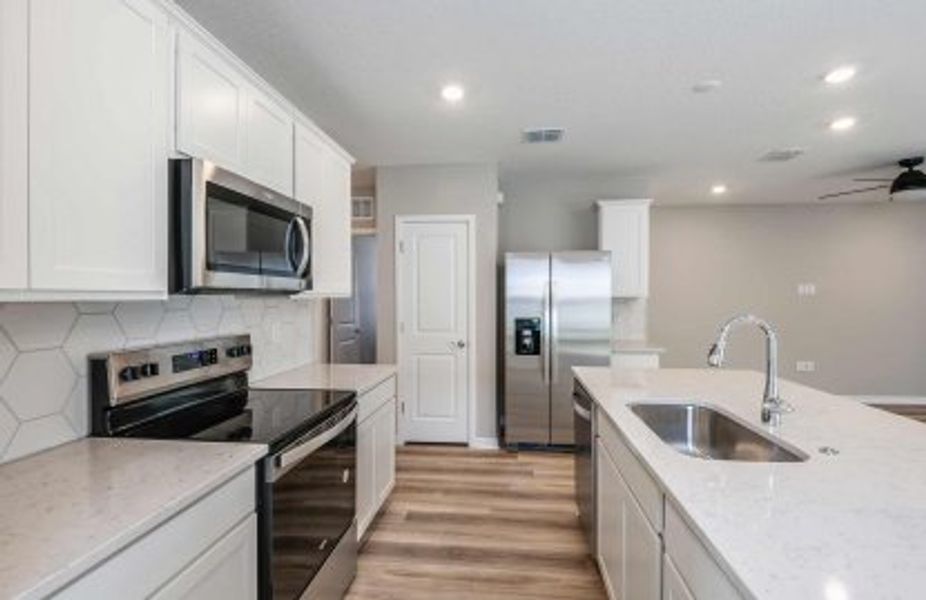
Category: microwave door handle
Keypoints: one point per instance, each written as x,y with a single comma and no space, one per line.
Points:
288,242
306,247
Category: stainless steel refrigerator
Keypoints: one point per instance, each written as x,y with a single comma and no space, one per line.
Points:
557,315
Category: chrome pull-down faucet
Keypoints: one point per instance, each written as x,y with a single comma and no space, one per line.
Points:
772,404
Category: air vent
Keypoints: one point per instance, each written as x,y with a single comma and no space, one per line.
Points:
782,154
362,207
548,135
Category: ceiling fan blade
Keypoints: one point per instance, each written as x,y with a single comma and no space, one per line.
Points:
850,192
872,179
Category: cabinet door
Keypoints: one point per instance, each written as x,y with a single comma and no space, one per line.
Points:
629,550
366,473
98,122
673,587
385,451
322,180
211,100
623,228
14,111
269,143
227,570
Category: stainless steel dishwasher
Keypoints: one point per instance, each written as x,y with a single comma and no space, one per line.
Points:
583,423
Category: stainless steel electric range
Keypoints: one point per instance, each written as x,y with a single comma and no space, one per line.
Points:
305,490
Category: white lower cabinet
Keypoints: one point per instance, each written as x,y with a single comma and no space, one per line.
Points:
376,436
209,550
673,586
629,549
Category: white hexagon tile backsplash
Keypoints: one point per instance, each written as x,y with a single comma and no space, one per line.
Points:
44,348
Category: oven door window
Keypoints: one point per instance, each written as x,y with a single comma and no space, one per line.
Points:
244,235
313,506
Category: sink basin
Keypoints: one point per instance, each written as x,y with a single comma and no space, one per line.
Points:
704,432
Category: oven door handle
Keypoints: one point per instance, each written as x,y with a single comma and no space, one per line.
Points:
286,460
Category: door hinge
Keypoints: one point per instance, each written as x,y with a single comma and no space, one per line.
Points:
401,247
402,327
402,405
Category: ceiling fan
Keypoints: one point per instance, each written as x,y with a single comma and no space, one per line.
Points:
909,185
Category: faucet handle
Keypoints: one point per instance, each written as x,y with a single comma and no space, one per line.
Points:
777,405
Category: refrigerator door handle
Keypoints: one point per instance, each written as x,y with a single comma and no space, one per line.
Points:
554,363
545,336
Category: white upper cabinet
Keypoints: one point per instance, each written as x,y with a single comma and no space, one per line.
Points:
99,73
623,229
322,180
224,118
14,111
269,143
211,105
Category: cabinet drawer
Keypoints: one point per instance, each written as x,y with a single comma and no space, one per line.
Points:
370,402
143,567
703,577
637,477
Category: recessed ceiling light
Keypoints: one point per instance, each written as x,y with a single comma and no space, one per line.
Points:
842,124
718,189
840,75
452,93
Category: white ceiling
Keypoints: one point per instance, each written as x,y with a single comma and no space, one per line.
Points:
617,74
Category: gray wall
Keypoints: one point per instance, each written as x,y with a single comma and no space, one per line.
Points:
556,213
448,189
865,328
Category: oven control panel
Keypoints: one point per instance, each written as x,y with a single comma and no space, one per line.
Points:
125,375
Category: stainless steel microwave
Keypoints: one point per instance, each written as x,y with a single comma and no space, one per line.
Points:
231,234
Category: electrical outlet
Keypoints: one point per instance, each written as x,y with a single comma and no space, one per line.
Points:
806,289
805,366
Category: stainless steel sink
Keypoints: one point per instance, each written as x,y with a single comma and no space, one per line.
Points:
703,432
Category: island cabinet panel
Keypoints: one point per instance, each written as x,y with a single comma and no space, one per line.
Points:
205,551
644,487
376,440
703,576
629,549
673,586
99,101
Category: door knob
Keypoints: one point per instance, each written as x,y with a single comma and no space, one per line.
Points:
461,344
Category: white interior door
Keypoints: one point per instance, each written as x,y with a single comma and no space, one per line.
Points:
433,297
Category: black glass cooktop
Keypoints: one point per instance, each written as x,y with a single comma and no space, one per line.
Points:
225,410
275,417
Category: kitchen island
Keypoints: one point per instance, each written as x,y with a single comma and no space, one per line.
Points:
848,522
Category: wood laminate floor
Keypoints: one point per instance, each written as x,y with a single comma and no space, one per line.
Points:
468,524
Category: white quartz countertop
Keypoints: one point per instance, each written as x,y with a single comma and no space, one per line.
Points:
844,527
357,378
65,510
635,347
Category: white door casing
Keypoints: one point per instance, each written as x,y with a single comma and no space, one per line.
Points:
435,319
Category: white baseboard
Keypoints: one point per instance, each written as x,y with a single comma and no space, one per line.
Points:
484,443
